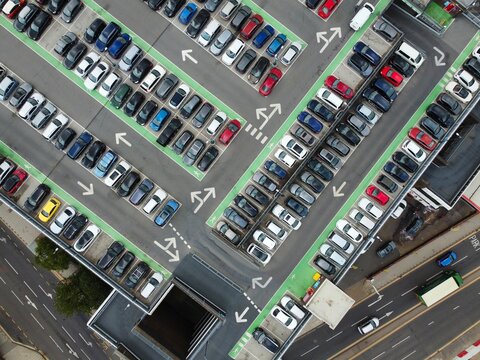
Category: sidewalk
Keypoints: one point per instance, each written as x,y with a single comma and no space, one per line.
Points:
20,227
465,346
12,350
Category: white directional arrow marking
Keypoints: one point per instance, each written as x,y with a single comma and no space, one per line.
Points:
195,196
239,318
256,281
275,108
210,192
88,189
336,31
121,137
70,351
85,341
30,302
47,294
170,242
386,315
260,112
321,36
2,239
186,55
439,58
338,192
174,256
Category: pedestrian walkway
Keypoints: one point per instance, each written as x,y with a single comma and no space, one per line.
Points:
12,350
465,346
19,226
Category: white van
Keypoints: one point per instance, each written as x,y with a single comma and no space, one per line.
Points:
410,54
342,244
330,253
276,230
209,33
54,128
362,16
329,98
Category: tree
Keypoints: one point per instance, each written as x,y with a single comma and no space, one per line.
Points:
80,293
50,256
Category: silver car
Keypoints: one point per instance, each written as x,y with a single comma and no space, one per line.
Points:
221,42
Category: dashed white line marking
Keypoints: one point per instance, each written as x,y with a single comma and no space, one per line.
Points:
380,308
413,352
355,323
35,267
29,260
56,344
38,322
259,135
17,297
9,238
456,307
49,311
3,229
401,341
29,288
376,357
253,131
70,336
16,272
431,277
305,353
84,354
334,336
249,126
431,323
21,252
406,292
3,280
264,140
15,245
456,262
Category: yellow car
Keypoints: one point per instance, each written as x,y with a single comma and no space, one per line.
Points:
49,209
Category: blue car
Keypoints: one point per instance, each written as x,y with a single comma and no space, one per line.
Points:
371,56
272,167
263,36
309,121
119,45
80,145
187,13
447,259
105,163
385,88
160,119
107,36
167,212
276,45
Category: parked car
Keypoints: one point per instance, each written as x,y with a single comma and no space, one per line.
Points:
62,220
71,10
88,236
377,195
256,195
167,212
169,132
440,115
401,65
93,31
396,172
128,183
258,70
345,227
367,206
264,181
299,209
208,158
263,239
276,45
232,215
359,125
142,191
107,36
259,254
310,122
123,264
75,227
447,259
414,226
268,342
25,17
40,23
151,285
321,170
198,23
458,92
112,253
324,265
281,213
230,131
412,149
49,209
74,55
449,103
275,169
93,154
321,110
119,45
263,36
34,201
303,135
422,138
360,65
65,43
392,76
225,230
13,182
339,87
20,95
136,275
387,31
405,161
316,185
292,307
433,128
118,173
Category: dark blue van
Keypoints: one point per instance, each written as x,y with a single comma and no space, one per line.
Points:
263,36
80,145
107,36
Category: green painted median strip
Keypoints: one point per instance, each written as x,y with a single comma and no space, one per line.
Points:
69,199
301,277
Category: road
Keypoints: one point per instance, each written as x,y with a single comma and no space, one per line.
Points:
27,310
323,342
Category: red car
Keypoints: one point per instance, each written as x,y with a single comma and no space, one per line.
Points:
422,138
251,26
339,87
12,7
326,9
230,131
391,76
270,81
14,181
377,195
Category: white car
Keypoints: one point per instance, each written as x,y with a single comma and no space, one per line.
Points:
152,283
367,206
282,316
157,198
109,84
291,53
232,52
399,210
217,122
412,149
87,63
90,234
30,107
10,6
347,228
291,306
284,157
368,325
467,80
330,253
329,98
259,254
289,143
179,96
262,238
282,214
62,220
361,218
225,230
96,75
55,126
476,53
118,172
459,92
152,79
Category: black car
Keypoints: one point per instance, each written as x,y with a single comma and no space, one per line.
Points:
401,65
386,249
321,170
193,152
315,184
38,26
182,142
145,187
202,115
141,70
387,183
246,206
71,10
449,103
20,95
147,111
312,4
338,145
74,55
396,172
385,88
134,103
405,161
245,61
190,106
166,86
65,138
123,264
208,158
94,30
440,115
155,4
121,95
376,99
128,183
172,7
198,22
266,341
433,128
65,43
256,195
212,5
414,227
472,65
169,132
93,154
55,6
348,134
136,275
359,64
75,226
112,253
321,110
299,209
34,201
240,17
325,265
235,217
258,70
25,17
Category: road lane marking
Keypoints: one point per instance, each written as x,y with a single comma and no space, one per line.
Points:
47,294
3,280
406,292
456,307
413,352
431,277
380,308
38,322
456,262
355,323
89,343
84,354
56,344
431,323
70,336
305,353
334,336
17,297
49,311
401,341
16,272
29,288
376,357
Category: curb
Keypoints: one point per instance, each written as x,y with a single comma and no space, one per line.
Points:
38,351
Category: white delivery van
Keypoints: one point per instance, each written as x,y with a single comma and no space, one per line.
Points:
410,54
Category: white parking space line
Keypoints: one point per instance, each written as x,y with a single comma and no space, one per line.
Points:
16,272
46,308
38,322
